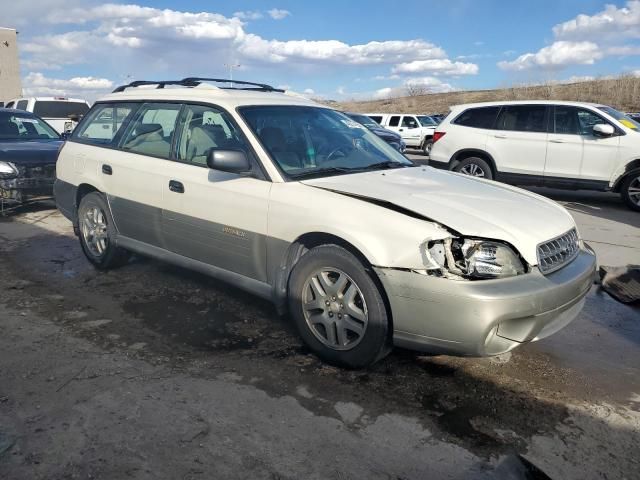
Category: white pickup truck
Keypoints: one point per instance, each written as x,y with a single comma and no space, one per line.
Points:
415,130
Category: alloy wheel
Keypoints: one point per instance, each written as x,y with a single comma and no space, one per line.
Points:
473,170
94,231
334,309
634,191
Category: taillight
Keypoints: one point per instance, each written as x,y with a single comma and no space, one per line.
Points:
437,136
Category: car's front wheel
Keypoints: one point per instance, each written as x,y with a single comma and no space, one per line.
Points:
630,191
338,308
97,233
474,167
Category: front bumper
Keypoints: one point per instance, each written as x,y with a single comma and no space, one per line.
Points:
484,317
19,190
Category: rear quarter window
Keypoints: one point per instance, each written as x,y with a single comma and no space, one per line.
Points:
22,104
481,117
103,123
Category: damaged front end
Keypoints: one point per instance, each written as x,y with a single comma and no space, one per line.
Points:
461,258
24,184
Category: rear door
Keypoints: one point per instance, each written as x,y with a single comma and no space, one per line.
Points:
519,142
215,217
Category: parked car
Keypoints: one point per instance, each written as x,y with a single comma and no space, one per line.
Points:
556,144
28,151
415,130
438,117
295,202
635,116
61,113
392,138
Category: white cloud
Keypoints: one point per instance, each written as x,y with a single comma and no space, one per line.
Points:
308,91
438,66
248,15
278,14
341,90
610,22
556,56
624,50
89,88
430,84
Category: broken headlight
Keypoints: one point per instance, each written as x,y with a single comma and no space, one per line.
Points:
7,170
473,258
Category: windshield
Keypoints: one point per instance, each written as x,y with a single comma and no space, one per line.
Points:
59,108
24,126
364,120
427,121
315,142
622,118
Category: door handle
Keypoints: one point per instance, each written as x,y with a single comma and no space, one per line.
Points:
401,130
500,136
176,186
107,170
556,140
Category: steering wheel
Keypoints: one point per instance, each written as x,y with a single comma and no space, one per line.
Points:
336,151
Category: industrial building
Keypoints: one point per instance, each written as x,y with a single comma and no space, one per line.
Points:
10,84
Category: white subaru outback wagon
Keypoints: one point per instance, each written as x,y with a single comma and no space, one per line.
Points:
297,203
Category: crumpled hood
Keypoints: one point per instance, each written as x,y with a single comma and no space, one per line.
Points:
31,152
470,206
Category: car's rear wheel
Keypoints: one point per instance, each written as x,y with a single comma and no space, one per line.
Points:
630,191
426,146
97,233
474,167
338,308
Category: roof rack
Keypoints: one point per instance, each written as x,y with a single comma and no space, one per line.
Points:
195,81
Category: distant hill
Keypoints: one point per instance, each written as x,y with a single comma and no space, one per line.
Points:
622,93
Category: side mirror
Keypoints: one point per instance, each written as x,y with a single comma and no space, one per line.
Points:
603,130
232,161
74,117
65,135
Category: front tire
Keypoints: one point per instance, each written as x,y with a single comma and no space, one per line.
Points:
630,192
97,233
338,309
474,167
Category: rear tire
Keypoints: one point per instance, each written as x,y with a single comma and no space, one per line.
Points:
630,191
338,309
474,167
426,146
97,233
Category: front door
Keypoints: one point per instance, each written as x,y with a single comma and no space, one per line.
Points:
410,130
212,216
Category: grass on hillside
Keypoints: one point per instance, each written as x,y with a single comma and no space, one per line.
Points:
622,93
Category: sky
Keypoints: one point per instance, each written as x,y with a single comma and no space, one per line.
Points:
331,49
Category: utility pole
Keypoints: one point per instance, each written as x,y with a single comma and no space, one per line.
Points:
231,67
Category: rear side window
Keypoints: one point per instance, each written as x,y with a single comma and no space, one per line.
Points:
151,132
409,122
103,123
376,118
523,118
9,105
394,121
22,104
482,117
59,108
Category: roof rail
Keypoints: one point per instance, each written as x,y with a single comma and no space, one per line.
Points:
195,81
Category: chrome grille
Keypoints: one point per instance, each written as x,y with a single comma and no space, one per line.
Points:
556,253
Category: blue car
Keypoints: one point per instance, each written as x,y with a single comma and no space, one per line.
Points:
392,138
28,151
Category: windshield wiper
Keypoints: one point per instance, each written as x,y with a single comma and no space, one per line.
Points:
387,164
320,171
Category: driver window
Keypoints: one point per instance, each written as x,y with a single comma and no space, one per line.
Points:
586,121
204,128
409,122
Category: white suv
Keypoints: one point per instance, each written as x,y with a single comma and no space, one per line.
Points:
61,113
415,130
556,144
295,202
